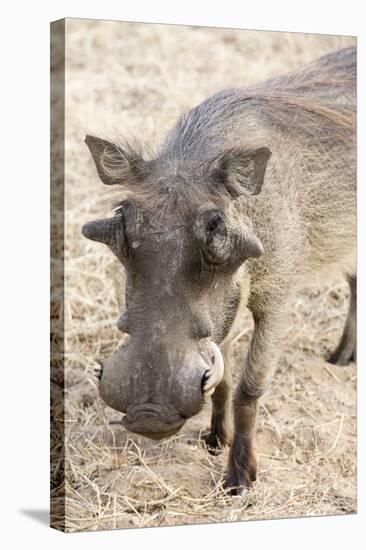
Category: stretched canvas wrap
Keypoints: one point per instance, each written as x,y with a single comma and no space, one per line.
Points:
203,275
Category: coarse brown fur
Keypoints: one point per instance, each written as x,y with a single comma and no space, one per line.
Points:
304,217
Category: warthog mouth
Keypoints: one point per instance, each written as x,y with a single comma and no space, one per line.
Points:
153,421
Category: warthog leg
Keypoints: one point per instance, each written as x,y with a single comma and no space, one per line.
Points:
346,350
220,432
264,350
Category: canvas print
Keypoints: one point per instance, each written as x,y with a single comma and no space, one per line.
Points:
203,275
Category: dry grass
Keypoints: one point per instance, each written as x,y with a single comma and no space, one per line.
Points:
135,79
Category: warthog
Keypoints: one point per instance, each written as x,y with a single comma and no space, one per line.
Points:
252,193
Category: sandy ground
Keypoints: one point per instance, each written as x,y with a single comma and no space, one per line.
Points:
134,80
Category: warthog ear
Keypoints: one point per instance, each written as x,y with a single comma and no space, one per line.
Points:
114,164
242,170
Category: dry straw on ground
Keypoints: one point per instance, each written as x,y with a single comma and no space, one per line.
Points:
135,79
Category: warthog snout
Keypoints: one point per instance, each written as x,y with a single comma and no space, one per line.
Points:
157,394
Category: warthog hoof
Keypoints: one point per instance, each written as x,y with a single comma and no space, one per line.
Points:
343,356
238,480
242,468
216,441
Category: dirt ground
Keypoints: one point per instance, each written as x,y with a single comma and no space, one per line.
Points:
134,80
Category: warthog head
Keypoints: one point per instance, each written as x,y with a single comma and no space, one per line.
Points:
181,245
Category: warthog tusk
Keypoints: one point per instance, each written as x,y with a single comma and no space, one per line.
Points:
215,374
97,371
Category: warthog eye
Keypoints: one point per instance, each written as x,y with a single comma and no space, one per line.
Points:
214,223
225,241
213,235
